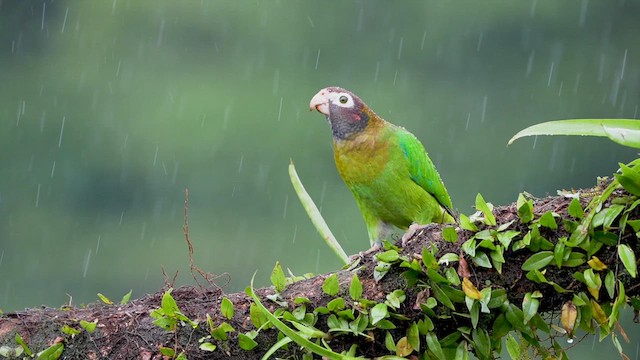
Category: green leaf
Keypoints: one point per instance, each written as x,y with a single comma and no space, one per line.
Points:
105,299
513,347
448,258
257,317
125,298
466,224
623,135
246,342
469,247
441,296
575,209
53,352
617,130
559,251
606,217
330,286
355,288
629,179
336,304
220,332
207,346
505,237
529,306
395,298
90,327
389,343
481,259
628,259
20,341
413,336
547,220
610,284
226,307
481,205
525,209
315,215
434,346
378,313
389,256
428,259
449,234
461,351
278,279
301,341
482,343
538,261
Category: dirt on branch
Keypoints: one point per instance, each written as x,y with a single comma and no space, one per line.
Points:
127,331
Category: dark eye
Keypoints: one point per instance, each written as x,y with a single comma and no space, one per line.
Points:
343,99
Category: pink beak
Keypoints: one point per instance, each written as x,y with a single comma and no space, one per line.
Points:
320,102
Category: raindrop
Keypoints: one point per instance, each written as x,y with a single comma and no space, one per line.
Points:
118,68
160,33
535,140
360,17
241,161
38,195
310,21
624,63
479,42
113,7
98,244
44,8
575,87
280,109
126,139
2,255
466,127
121,218
53,168
317,59
164,168
530,63
532,10
286,202
61,132
484,108
583,12
395,77
560,90
225,119
64,22
615,89
424,37
550,74
635,112
155,156
295,233
569,340
144,229
86,264
400,47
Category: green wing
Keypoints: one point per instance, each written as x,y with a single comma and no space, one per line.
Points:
422,170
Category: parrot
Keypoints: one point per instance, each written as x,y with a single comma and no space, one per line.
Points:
393,180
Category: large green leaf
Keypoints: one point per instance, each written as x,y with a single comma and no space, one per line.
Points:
623,131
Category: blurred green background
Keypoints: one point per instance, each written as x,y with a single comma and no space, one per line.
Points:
110,109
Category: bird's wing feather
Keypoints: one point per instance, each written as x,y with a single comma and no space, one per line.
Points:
422,170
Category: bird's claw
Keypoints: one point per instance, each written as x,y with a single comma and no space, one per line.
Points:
362,254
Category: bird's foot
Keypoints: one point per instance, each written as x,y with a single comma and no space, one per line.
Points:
413,231
362,254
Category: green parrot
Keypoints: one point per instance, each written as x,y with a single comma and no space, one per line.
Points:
386,168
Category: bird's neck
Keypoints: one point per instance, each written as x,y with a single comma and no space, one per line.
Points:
346,130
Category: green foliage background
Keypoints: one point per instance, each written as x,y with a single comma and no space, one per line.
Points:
110,109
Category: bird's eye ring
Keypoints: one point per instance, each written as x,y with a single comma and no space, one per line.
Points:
343,99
